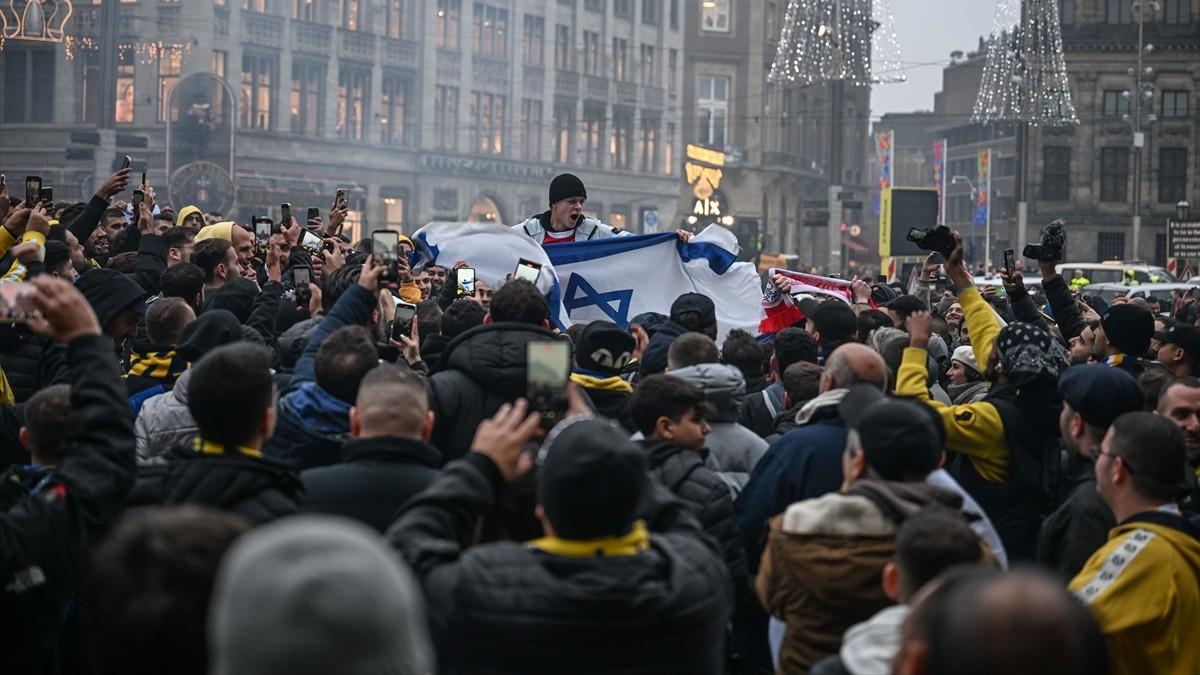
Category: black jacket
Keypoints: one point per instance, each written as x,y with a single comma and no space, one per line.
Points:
45,537
654,358
432,348
1077,528
683,473
259,488
480,370
509,608
379,475
31,362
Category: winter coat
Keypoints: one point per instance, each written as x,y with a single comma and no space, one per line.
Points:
1143,587
609,396
820,571
30,362
1077,528
480,370
761,410
48,532
733,450
377,477
868,647
432,347
654,358
508,607
238,480
804,463
588,229
684,473
164,421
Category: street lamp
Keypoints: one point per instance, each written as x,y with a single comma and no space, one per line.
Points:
987,226
1182,210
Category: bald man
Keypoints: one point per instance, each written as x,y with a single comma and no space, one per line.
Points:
389,459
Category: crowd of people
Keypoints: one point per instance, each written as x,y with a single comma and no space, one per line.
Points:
225,454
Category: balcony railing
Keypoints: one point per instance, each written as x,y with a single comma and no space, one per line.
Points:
596,87
402,53
356,44
263,30
311,37
627,92
566,84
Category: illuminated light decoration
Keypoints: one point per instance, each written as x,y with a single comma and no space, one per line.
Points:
826,40
1025,75
35,21
705,180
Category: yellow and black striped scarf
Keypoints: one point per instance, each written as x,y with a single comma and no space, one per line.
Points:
156,365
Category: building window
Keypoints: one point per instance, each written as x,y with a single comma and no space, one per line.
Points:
620,58
258,78
650,11
1066,12
1172,175
669,150
397,10
591,53
674,12
620,143
1110,245
1175,103
28,85
259,6
89,95
1114,174
393,213
649,144
562,47
1056,173
352,14
353,87
1114,103
593,135
490,37
672,68
487,123
1118,11
393,111
531,128
304,10
714,16
532,39
308,80
623,8
126,97
220,65
713,110
593,5
648,65
1177,11
446,24
564,131
445,117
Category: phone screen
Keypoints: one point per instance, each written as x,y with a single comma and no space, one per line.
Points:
384,244
16,302
465,278
311,243
402,325
314,213
138,198
528,270
340,199
285,214
1010,261
301,278
46,194
33,189
547,367
262,230
126,162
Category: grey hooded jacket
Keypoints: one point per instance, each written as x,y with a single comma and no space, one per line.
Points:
164,421
588,229
733,449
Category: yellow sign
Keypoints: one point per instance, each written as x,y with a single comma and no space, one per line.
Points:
703,154
885,223
703,179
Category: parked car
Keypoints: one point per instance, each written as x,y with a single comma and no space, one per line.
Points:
1114,272
1161,291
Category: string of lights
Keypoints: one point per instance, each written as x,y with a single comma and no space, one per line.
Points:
826,40
1025,74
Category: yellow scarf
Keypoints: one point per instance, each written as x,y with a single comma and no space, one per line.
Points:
210,448
635,542
614,383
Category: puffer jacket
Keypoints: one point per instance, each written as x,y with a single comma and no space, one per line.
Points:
480,370
588,228
164,421
684,473
31,362
259,488
733,449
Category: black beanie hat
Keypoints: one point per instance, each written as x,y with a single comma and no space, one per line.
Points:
210,330
591,480
1129,328
604,348
565,186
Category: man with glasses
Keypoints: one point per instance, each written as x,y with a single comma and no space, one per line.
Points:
1143,586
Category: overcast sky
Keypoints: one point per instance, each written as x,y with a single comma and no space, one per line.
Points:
928,30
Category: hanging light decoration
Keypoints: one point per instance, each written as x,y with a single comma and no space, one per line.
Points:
826,40
1025,74
35,20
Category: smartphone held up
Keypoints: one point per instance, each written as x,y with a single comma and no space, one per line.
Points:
548,367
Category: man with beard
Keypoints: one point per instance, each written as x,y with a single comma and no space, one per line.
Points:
1180,402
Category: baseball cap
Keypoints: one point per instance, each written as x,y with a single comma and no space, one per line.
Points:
1100,394
695,302
1185,337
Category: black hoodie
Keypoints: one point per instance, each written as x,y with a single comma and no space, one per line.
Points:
108,292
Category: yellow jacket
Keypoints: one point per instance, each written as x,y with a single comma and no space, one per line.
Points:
1143,587
974,429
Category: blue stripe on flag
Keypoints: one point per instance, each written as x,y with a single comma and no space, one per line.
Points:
719,259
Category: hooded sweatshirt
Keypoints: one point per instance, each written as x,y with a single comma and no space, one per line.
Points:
108,291
185,212
1143,587
733,449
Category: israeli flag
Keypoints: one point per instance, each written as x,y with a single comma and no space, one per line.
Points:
492,250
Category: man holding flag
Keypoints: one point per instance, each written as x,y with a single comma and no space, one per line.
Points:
564,222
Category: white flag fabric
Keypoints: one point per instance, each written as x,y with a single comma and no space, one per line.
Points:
613,279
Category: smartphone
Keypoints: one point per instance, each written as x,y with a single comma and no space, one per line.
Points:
311,243
139,196
33,188
126,162
528,270
301,278
881,278
263,227
341,198
285,214
547,367
46,195
313,214
385,246
464,277
144,180
402,324
16,302
1010,261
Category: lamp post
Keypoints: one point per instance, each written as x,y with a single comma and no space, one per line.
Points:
1182,211
1143,91
987,226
